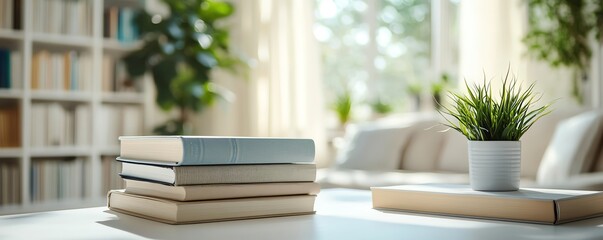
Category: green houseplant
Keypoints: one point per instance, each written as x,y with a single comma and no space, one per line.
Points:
343,107
494,124
180,51
437,89
415,89
381,107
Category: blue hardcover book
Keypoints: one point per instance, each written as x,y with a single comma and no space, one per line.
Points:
201,150
4,69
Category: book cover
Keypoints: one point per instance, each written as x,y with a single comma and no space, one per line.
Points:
199,150
174,212
545,206
217,174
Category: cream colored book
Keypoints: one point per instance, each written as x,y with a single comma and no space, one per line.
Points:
220,191
546,206
175,212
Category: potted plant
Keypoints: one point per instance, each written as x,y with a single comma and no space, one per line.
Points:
415,89
380,107
343,107
437,88
494,125
180,51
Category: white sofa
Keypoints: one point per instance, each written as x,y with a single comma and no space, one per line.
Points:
562,150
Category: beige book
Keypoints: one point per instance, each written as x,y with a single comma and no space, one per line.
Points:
547,206
175,212
216,174
220,191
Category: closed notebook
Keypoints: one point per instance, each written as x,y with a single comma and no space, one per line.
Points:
175,212
220,191
546,206
216,174
197,150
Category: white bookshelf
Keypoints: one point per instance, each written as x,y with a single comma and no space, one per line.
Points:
27,42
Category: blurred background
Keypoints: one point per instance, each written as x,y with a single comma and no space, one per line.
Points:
76,74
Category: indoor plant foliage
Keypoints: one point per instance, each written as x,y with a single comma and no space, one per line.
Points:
438,87
483,117
560,32
180,51
343,107
493,125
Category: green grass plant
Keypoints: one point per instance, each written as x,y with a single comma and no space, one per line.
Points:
482,117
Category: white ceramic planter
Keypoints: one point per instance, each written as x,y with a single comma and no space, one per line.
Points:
494,165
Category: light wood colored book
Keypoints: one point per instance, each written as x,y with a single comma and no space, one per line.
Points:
220,191
175,212
546,206
217,174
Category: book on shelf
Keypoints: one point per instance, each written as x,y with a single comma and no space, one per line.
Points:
10,69
176,212
55,124
10,182
118,120
115,77
10,125
62,71
69,17
118,24
5,68
545,206
10,14
219,174
198,150
57,178
220,191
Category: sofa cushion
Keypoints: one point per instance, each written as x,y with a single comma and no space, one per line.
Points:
372,147
423,149
536,140
378,145
454,157
572,148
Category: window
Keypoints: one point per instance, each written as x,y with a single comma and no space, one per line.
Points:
377,48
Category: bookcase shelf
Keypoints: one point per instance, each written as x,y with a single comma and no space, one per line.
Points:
112,45
15,152
66,96
82,112
10,93
9,34
62,151
62,40
126,98
109,151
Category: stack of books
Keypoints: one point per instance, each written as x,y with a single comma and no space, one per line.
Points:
181,180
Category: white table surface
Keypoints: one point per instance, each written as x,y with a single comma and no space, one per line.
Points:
341,214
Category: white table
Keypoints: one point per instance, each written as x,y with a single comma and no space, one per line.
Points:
341,214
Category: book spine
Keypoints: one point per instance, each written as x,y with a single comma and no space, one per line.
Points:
207,151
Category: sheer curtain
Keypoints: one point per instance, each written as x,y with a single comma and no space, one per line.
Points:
282,95
490,39
491,35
